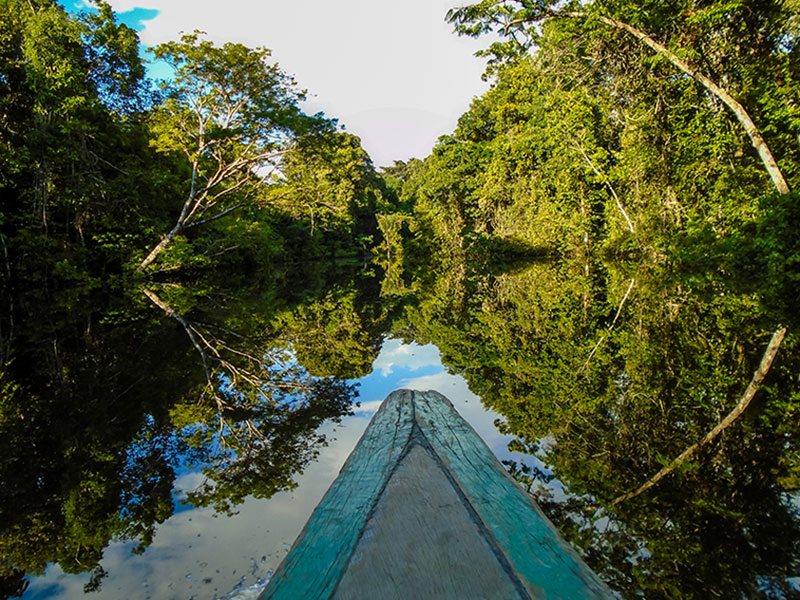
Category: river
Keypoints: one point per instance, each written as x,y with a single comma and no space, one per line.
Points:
174,438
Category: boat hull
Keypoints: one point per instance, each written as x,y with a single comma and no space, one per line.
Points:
423,509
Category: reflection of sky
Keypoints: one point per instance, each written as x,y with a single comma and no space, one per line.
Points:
202,555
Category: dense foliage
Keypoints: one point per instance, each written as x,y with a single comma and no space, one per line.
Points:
590,139
101,171
602,144
161,312
111,383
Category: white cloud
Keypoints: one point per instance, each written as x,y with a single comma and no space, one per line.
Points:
395,353
368,408
393,72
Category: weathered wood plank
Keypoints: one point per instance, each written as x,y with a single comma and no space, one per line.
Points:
546,563
423,509
315,562
421,542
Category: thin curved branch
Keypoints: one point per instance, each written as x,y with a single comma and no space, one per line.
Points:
755,383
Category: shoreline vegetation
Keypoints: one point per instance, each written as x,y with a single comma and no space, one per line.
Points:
195,271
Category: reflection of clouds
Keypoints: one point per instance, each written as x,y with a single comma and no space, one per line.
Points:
199,554
395,353
202,555
50,588
187,482
368,408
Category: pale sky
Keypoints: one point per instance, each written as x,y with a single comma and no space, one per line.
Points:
391,71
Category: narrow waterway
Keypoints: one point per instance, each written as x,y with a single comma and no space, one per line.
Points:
198,553
201,424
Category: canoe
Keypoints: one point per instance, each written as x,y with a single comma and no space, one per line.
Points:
423,509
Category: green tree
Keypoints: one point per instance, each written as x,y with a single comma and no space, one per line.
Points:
519,20
330,181
231,116
586,140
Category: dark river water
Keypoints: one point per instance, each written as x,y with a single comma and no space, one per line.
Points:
170,440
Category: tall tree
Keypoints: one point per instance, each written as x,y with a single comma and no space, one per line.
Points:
232,115
519,21
330,181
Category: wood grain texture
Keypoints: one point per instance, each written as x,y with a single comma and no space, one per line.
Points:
420,472
546,564
315,562
421,542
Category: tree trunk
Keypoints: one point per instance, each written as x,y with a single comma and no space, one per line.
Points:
180,224
741,114
159,247
610,187
744,402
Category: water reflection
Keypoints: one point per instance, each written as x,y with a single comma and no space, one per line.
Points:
224,397
185,559
104,406
621,368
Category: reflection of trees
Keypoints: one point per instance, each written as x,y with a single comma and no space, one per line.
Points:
104,399
755,384
669,359
81,401
262,442
254,421
340,333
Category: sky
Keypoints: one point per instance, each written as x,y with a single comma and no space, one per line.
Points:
392,72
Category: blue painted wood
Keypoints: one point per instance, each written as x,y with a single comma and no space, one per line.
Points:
317,559
421,541
547,565
526,543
